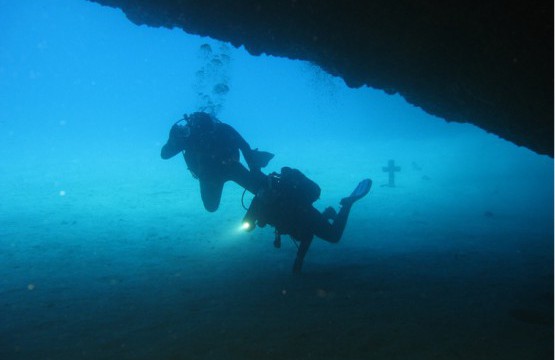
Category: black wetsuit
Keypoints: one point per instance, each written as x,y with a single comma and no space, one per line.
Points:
214,159
212,156
299,219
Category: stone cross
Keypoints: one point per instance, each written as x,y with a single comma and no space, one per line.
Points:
391,169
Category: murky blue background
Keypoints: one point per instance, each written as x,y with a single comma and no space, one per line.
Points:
107,251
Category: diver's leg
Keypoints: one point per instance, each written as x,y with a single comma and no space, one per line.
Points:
249,180
211,193
333,232
301,252
329,213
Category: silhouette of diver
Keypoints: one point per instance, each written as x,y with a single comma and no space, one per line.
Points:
211,151
285,202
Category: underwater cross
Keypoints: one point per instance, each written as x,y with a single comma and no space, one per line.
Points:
391,169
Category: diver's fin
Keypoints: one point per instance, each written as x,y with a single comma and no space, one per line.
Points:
259,159
360,191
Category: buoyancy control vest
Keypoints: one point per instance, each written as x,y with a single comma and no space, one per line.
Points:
281,201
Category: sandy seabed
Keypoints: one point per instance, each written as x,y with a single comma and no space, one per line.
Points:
134,268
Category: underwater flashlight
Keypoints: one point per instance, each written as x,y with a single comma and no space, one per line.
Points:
251,217
246,226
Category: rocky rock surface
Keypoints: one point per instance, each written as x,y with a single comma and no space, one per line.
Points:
486,62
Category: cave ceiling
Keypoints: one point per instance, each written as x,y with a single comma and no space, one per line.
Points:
489,63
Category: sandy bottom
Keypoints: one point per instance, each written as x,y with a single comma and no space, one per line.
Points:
134,268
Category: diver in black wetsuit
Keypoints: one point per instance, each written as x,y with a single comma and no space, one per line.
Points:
285,202
211,151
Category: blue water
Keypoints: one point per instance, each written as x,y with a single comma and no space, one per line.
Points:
106,251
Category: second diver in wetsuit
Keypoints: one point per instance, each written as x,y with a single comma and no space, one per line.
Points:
211,151
285,202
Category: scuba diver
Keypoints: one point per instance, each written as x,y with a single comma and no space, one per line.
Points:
211,151
285,202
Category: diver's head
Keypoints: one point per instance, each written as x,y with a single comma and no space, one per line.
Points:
177,139
201,121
